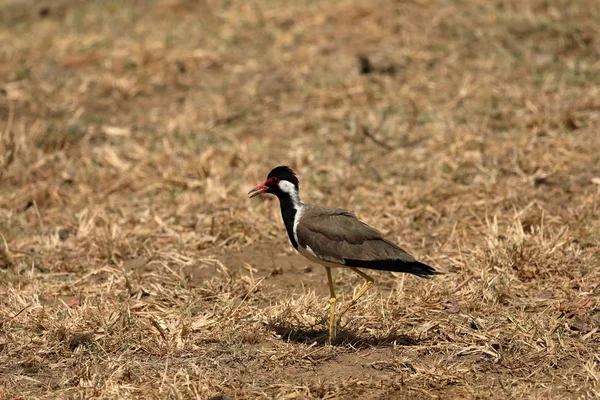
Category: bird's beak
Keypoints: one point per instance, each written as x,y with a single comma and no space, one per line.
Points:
260,189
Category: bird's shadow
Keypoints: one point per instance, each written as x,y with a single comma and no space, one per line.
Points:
344,337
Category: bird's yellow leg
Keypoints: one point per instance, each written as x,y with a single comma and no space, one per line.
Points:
332,324
363,290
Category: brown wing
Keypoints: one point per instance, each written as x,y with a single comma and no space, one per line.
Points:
337,236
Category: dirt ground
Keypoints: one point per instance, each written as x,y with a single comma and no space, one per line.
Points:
133,265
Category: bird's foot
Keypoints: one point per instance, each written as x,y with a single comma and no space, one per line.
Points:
332,333
338,322
332,321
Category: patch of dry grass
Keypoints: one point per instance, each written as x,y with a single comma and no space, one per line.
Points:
132,264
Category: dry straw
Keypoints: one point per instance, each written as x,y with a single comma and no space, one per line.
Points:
133,266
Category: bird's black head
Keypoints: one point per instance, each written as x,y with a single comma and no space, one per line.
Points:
281,181
283,173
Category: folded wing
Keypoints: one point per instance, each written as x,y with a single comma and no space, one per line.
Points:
335,235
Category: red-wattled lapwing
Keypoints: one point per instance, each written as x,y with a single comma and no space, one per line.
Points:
334,237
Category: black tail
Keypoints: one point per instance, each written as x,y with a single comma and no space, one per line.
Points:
411,267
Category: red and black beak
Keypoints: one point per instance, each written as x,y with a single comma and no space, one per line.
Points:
260,189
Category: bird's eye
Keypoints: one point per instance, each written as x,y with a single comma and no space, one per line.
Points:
272,181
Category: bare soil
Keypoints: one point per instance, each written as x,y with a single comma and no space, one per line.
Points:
133,265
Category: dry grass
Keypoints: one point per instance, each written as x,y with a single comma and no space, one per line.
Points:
132,264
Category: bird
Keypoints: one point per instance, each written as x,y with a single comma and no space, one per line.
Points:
335,238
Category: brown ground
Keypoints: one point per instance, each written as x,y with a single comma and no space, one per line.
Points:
132,265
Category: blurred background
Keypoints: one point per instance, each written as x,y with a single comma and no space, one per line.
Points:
467,131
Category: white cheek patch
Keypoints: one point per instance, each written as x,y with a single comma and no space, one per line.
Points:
287,187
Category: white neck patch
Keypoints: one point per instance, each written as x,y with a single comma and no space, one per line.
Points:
296,220
289,188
